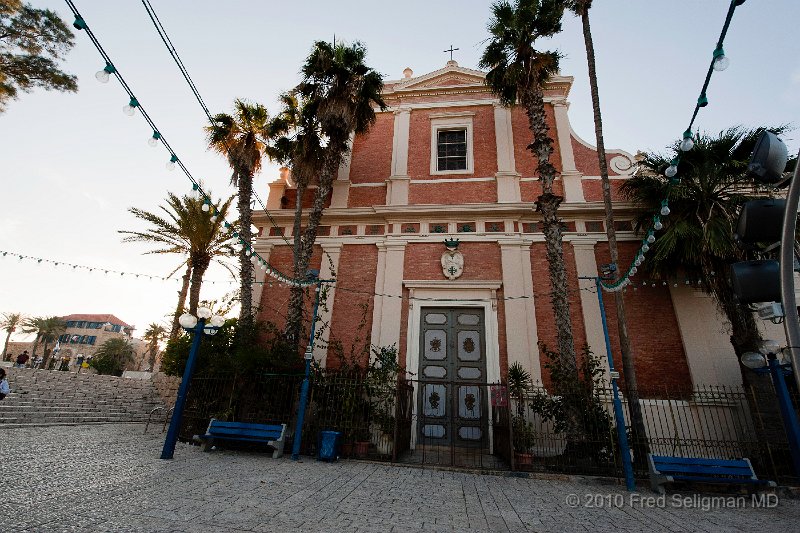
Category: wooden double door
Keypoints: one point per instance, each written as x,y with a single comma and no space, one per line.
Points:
452,406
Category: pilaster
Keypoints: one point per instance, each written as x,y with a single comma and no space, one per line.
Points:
573,188
506,176
397,184
520,313
388,282
586,265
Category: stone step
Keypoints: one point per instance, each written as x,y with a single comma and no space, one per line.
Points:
58,421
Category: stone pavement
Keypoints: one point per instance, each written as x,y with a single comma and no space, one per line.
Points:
109,478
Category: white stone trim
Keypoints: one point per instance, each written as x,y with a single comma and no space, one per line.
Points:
451,122
452,114
381,184
452,180
620,170
402,125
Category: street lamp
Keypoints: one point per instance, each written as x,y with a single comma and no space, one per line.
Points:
765,361
198,327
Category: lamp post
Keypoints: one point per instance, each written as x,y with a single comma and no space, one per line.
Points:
765,361
198,327
619,415
308,356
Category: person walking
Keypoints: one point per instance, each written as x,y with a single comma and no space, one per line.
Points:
4,388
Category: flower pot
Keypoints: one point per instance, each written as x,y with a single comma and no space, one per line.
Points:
523,460
346,449
361,449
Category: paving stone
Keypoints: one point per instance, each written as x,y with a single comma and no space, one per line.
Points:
109,478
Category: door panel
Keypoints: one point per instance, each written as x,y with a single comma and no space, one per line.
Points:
452,404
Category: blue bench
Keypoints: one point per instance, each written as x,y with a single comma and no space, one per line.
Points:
218,431
666,469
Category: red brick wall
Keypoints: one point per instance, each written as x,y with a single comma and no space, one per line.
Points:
524,159
453,193
372,152
653,329
308,198
366,196
593,190
545,321
483,138
357,270
481,261
275,299
586,160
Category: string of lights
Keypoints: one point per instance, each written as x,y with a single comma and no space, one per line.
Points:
173,52
174,161
719,62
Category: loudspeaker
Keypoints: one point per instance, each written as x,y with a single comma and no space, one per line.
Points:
756,281
761,221
769,159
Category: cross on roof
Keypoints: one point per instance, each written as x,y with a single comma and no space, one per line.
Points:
451,50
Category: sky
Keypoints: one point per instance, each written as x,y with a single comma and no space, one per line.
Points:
72,164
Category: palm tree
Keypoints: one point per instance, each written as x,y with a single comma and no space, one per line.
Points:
154,334
581,8
189,231
237,137
517,74
47,330
113,356
9,323
697,237
335,100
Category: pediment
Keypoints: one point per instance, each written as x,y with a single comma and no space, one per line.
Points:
450,76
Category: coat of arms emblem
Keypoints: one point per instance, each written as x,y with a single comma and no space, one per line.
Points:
452,260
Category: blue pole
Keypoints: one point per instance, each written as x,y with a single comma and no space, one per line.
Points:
301,412
787,411
177,414
622,434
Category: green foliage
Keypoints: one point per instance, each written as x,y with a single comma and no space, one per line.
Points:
32,42
519,383
113,356
263,350
513,62
578,410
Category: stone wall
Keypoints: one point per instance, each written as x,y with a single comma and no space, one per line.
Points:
166,387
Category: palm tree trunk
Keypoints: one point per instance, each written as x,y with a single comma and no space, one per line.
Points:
294,316
641,447
547,204
46,355
5,346
245,181
304,247
176,327
152,356
199,267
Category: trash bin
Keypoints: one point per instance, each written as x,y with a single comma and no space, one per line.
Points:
329,445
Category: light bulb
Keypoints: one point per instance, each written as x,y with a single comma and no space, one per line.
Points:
153,141
171,163
130,108
263,267
638,261
671,171
721,61
645,248
205,207
213,218
665,211
651,238
634,270
687,144
658,225
102,76
203,312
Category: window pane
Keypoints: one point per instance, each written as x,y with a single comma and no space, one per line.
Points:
451,149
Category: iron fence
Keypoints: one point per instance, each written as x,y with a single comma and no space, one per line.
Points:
479,426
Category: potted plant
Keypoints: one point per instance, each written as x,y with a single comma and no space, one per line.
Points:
523,434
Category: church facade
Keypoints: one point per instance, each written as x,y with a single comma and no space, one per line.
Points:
432,235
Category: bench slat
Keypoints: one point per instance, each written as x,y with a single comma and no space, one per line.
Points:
705,469
242,438
246,425
705,479
235,431
662,459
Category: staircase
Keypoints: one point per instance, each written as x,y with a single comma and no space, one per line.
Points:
51,397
